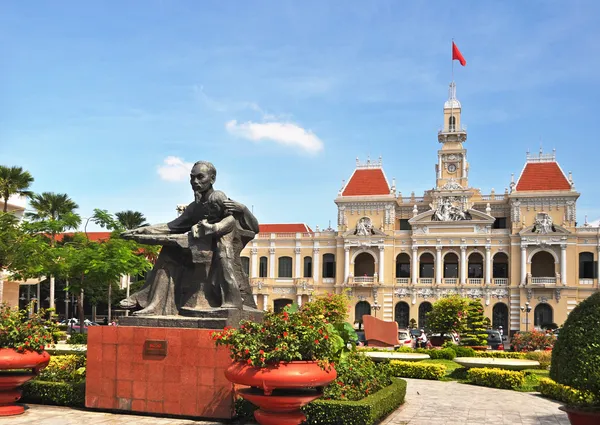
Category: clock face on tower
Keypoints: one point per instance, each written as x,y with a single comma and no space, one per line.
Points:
452,168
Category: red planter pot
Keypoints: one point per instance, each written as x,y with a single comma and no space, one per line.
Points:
12,376
280,390
581,417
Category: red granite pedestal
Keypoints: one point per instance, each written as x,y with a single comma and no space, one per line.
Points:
188,381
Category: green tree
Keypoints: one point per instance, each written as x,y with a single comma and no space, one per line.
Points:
474,333
14,181
131,219
447,315
54,213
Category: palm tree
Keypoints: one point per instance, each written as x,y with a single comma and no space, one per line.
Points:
58,210
14,181
131,219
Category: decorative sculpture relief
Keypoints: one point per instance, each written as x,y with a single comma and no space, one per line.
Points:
425,293
474,293
286,290
364,227
515,215
402,293
557,294
449,208
499,293
543,224
452,185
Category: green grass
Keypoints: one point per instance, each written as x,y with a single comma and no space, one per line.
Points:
451,368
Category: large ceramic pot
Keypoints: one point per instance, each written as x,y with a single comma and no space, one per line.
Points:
582,417
280,390
16,369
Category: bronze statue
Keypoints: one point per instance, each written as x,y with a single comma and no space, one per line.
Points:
199,266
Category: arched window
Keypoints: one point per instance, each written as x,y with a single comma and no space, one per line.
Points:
307,266
262,267
424,308
364,265
542,265
475,270
401,314
500,317
328,265
246,265
450,266
361,308
452,123
403,265
586,266
500,269
285,267
542,316
426,266
280,304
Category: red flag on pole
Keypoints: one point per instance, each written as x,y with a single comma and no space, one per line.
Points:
457,55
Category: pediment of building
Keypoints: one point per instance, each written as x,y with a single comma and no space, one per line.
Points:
470,216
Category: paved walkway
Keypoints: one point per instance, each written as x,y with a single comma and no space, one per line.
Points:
427,402
435,402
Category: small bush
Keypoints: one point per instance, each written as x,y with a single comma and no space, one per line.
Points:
460,351
544,357
496,378
55,393
566,394
77,338
534,340
404,350
367,411
444,353
417,370
500,354
69,368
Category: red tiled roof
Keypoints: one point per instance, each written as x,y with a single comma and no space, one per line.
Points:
367,182
285,228
93,236
542,176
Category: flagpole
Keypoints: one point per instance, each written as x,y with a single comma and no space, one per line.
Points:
451,59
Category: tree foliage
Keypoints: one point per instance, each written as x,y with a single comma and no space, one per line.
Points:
14,181
448,315
474,333
131,219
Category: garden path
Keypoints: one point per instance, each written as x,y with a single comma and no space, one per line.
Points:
438,402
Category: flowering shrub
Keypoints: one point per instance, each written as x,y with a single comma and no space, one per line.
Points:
357,377
23,333
531,341
68,368
448,315
294,334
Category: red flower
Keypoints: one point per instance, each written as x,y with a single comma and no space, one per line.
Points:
249,361
285,334
261,352
316,341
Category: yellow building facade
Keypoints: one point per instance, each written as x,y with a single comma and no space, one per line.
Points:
397,255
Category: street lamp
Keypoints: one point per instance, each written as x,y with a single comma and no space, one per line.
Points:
527,310
375,307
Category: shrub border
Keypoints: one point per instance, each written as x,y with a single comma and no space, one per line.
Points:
54,393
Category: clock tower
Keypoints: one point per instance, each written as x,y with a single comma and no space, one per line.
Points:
452,166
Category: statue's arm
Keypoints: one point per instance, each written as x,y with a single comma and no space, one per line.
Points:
184,222
242,214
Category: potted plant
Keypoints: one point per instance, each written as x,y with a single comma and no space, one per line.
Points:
23,337
575,359
287,353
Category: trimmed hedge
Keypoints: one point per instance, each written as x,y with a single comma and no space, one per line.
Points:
367,411
544,357
443,353
500,354
417,370
56,393
496,378
77,338
566,394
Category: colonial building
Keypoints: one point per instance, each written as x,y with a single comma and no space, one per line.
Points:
515,251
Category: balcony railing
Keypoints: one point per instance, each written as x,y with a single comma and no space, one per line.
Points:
363,279
586,281
426,280
543,280
474,281
402,280
501,281
450,280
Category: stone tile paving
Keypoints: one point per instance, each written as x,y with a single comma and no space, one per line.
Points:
52,415
435,402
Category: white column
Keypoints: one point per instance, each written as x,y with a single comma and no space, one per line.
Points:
316,265
255,298
254,262
381,265
463,265
563,264
488,265
439,166
464,166
38,304
414,270
272,262
346,263
523,264
438,265
52,285
265,302
299,300
298,263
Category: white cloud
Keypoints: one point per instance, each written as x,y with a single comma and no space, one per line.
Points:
174,169
287,134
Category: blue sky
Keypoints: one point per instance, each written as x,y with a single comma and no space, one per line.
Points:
282,96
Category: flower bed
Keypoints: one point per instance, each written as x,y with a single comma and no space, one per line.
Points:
496,378
417,370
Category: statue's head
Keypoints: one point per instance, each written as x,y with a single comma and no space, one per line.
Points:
202,176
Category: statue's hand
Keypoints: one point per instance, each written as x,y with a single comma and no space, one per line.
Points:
233,207
130,234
